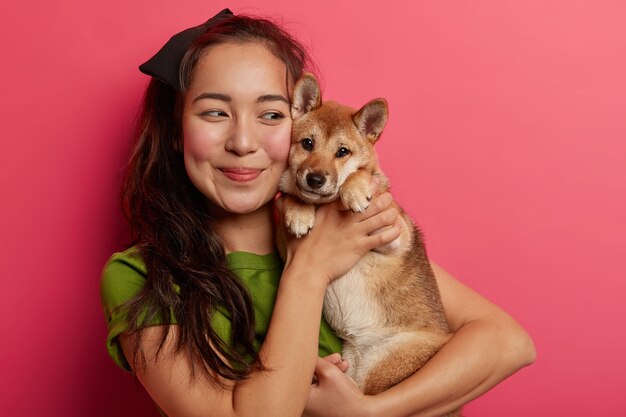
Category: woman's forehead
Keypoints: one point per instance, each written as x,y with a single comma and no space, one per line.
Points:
239,67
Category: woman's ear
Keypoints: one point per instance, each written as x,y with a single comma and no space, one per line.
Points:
306,96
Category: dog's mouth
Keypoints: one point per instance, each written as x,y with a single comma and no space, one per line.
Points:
316,196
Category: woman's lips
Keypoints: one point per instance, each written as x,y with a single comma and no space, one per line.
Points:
241,174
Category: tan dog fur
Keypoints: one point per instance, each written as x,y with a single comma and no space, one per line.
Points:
387,308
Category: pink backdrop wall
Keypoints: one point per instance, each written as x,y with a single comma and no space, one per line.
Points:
507,143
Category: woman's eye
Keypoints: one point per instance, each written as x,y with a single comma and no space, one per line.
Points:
343,151
272,115
214,113
307,144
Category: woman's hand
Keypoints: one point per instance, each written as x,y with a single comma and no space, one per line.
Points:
334,394
340,237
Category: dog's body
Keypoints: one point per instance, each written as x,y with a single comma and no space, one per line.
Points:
387,308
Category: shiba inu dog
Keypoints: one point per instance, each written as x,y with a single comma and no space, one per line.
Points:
387,308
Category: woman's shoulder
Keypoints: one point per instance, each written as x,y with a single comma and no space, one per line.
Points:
130,257
123,276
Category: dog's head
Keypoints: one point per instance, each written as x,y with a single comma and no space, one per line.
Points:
329,142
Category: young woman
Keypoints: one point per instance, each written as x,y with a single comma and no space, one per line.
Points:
201,309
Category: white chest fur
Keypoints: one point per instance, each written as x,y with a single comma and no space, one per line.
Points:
350,305
353,310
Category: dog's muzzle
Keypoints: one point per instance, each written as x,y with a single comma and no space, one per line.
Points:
315,187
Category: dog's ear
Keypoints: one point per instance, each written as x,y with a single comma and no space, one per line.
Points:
371,119
306,96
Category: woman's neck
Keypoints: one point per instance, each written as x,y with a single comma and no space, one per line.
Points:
250,232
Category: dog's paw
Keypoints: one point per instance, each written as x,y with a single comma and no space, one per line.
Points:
299,221
356,199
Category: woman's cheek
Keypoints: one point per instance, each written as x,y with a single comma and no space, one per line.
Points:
191,144
278,144
198,142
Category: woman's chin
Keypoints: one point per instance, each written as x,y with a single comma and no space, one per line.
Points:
243,205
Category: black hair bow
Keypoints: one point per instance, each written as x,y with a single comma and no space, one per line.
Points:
165,64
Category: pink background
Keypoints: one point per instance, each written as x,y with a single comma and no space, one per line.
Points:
506,142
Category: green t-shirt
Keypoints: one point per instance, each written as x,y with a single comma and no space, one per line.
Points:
125,274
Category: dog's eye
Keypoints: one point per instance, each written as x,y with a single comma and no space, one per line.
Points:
343,151
307,144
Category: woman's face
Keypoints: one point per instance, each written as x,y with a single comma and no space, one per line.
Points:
236,126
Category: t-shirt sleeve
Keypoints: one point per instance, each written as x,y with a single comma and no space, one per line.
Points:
123,276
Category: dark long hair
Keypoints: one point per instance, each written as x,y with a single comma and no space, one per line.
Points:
172,229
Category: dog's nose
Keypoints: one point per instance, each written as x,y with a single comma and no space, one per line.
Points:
315,180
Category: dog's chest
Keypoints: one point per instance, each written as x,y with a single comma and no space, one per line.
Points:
350,305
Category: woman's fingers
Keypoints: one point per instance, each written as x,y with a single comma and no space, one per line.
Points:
324,369
384,236
383,219
380,223
378,205
380,214
335,359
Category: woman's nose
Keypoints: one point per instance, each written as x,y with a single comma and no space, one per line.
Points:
242,139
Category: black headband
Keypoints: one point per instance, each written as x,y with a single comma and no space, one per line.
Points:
165,64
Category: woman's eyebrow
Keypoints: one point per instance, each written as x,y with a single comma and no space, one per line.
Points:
224,97
271,97
215,96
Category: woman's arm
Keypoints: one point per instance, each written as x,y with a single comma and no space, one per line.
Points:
290,347
487,346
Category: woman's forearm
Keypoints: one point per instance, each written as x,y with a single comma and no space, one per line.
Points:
481,354
289,351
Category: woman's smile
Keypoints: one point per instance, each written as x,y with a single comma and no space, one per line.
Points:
241,174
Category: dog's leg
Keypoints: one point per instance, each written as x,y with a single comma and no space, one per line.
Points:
402,360
354,192
299,216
